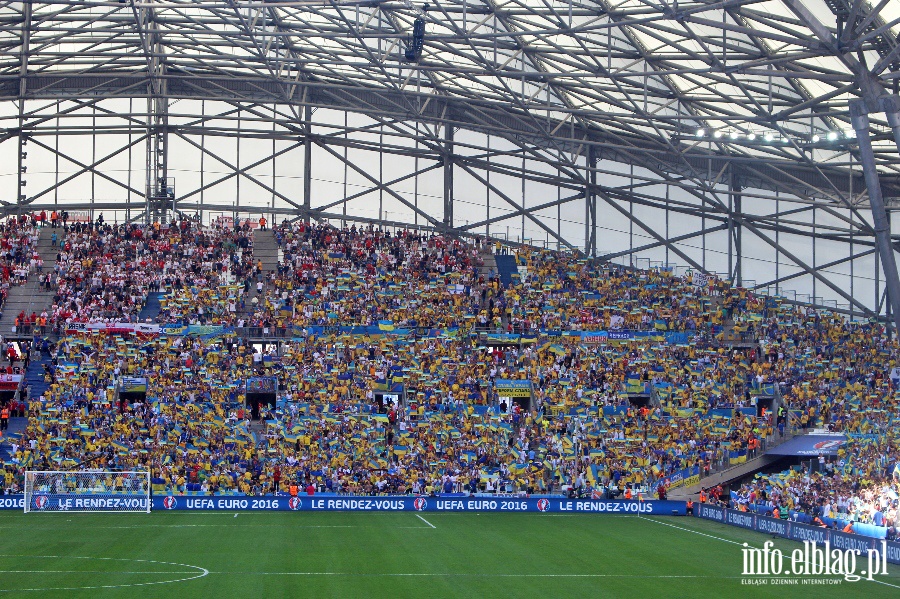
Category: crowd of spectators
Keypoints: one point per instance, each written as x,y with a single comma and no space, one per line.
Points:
18,254
327,426
326,277
455,431
104,272
859,485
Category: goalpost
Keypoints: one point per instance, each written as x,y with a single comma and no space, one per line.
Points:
88,491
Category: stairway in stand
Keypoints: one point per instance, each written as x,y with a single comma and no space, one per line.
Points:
265,249
16,426
151,309
489,265
487,270
34,377
507,269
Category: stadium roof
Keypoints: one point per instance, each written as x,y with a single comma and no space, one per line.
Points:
715,135
637,79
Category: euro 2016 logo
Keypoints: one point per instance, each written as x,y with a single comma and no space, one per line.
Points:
169,502
294,503
420,503
828,444
41,501
543,505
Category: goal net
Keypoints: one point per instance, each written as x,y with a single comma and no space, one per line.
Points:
94,491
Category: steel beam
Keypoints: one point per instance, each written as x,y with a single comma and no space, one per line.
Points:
523,211
735,231
662,243
21,169
590,206
307,162
859,118
86,168
820,267
891,107
448,176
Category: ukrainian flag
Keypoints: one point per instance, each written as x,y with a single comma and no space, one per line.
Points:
385,325
660,325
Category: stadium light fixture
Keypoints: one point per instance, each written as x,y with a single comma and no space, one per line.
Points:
838,136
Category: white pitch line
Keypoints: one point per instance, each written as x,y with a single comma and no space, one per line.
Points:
425,521
696,532
198,573
88,572
470,575
235,526
136,526
875,580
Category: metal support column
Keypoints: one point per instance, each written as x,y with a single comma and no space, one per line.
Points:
307,164
730,227
158,197
860,120
158,159
21,168
21,196
590,206
448,177
891,107
735,189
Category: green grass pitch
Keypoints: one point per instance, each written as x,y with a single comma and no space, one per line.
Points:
253,555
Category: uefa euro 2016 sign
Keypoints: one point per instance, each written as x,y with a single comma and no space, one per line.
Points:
314,503
333,503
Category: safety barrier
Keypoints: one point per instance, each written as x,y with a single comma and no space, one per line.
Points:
797,531
406,503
